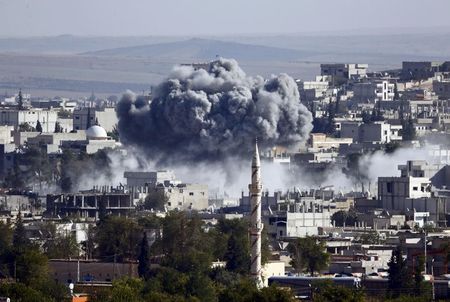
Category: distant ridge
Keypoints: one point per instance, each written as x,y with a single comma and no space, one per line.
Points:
204,49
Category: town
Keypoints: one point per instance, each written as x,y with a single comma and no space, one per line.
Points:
359,208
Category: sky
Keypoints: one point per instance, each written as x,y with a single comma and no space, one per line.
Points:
214,17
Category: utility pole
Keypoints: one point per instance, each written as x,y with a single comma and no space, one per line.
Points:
425,248
432,281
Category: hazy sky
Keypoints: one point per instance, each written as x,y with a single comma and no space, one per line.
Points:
198,17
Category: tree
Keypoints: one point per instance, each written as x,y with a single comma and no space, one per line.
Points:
399,275
20,240
59,245
144,258
343,217
117,238
20,100
58,128
155,200
327,291
396,94
421,288
38,127
408,130
25,127
308,254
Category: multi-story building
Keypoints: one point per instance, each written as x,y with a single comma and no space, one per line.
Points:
89,204
341,73
86,117
377,132
380,90
179,195
15,118
419,70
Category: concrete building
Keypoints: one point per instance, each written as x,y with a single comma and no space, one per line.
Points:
180,195
87,117
312,90
341,73
89,204
442,89
381,90
377,132
73,271
186,196
53,142
96,139
419,70
303,218
322,141
141,179
6,134
15,118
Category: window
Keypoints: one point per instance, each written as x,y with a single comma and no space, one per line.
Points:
77,117
415,188
389,187
191,193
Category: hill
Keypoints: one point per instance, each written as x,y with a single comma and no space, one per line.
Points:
204,49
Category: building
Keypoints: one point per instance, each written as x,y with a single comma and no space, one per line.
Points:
89,204
86,117
15,118
415,71
341,73
442,89
322,141
381,90
74,271
179,195
303,218
377,132
96,139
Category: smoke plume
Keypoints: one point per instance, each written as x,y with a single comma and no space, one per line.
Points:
215,113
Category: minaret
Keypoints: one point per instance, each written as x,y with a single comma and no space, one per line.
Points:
255,220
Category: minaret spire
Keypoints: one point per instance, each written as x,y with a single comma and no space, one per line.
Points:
255,220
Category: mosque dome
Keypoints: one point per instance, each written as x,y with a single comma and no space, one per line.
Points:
96,132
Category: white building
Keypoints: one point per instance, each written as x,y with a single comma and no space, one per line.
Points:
377,90
180,195
377,132
105,118
15,118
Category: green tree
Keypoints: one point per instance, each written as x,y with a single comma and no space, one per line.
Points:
408,130
20,100
25,127
127,289
327,291
144,258
421,288
31,266
118,238
21,292
185,244
20,240
59,245
399,275
58,128
308,254
155,200
38,127
348,217
237,254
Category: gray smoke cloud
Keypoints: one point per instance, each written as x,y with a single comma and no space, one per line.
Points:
214,113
